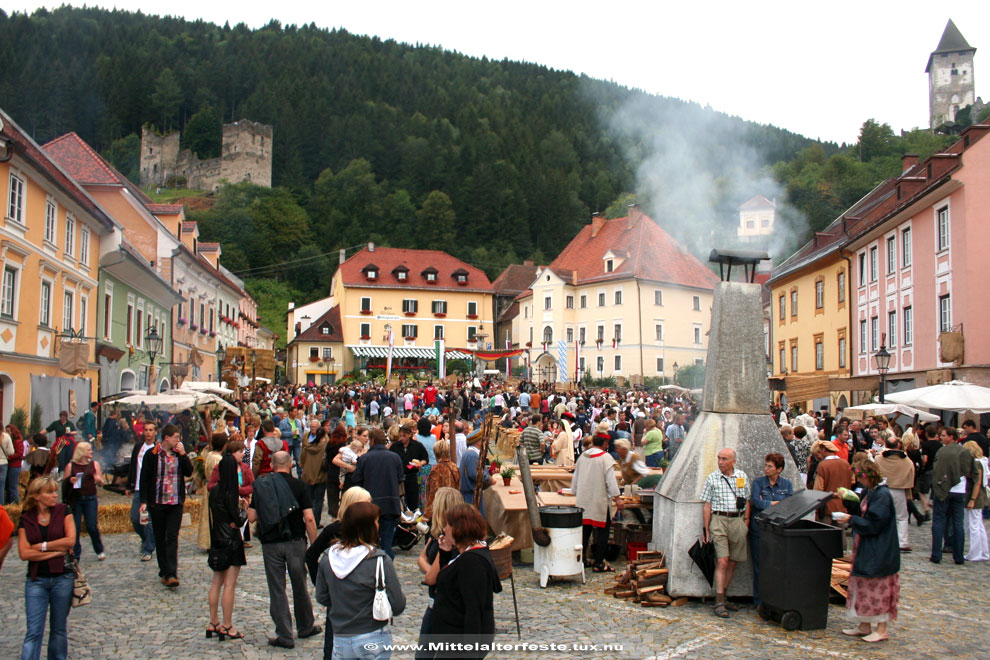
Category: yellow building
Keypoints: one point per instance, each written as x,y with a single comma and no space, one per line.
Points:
50,246
809,324
418,296
315,354
622,299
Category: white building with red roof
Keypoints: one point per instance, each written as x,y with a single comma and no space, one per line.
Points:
622,299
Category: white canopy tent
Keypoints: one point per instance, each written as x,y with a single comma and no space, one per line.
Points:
177,400
887,409
206,386
956,396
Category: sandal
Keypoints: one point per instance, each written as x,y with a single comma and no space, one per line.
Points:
875,637
604,568
721,611
854,632
732,607
212,628
224,632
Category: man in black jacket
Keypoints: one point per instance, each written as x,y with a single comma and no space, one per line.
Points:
144,532
379,471
164,469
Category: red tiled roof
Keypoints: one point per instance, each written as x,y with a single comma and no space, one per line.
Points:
204,246
82,162
388,259
49,167
653,255
510,312
515,279
165,209
188,225
313,332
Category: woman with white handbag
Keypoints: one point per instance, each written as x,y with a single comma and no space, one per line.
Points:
357,581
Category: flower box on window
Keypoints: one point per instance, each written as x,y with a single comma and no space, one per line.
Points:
314,358
365,337
366,311
410,339
193,327
529,344
410,313
439,315
181,321
213,334
472,316
202,331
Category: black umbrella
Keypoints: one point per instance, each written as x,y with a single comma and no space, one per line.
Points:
703,555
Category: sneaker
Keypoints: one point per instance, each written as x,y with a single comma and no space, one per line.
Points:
101,556
145,557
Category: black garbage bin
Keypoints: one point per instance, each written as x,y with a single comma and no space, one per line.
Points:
796,562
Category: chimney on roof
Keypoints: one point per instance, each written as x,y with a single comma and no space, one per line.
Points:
298,328
635,213
371,246
527,262
908,161
342,257
597,222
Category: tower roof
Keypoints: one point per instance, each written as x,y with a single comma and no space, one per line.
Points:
952,41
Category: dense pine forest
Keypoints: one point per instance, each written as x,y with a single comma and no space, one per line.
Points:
494,161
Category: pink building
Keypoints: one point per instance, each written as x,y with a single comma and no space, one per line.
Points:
919,249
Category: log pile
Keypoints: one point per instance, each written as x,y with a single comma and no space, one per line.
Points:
841,568
644,581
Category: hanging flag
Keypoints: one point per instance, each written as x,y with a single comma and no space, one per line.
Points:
562,360
439,347
508,360
390,339
577,362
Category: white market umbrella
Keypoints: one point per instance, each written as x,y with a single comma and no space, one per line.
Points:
176,401
886,409
676,388
956,395
206,386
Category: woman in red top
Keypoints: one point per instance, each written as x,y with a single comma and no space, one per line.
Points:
14,462
84,475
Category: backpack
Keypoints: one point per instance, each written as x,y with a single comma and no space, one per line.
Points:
275,503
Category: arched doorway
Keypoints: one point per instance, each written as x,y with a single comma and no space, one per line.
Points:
127,380
545,369
163,386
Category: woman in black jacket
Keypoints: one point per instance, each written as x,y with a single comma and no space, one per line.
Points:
875,583
464,610
226,545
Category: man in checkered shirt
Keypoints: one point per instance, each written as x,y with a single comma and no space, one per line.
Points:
726,524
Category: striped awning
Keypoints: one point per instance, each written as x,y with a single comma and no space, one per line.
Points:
422,352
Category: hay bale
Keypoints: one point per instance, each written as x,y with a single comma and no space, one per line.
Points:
506,442
113,518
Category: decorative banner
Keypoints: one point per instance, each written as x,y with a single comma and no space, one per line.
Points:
577,362
390,338
440,350
562,360
489,356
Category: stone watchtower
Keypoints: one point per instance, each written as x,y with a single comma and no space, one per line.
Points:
950,77
158,156
247,152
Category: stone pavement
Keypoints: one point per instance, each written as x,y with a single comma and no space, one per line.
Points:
943,614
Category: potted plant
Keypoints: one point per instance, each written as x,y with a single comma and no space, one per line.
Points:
439,315
507,473
472,316
193,327
181,321
494,467
314,358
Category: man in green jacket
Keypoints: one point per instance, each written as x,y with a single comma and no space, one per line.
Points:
954,467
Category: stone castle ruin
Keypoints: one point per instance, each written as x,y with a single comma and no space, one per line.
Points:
245,155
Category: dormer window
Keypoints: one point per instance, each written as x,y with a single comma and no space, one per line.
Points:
609,265
461,276
401,273
325,329
370,271
430,275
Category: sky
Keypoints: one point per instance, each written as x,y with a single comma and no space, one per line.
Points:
817,69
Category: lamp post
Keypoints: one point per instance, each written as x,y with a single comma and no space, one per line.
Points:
882,358
675,373
221,356
254,361
154,346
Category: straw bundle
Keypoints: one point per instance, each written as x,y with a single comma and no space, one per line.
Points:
114,518
506,441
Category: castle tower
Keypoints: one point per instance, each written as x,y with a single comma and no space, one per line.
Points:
246,154
159,154
950,77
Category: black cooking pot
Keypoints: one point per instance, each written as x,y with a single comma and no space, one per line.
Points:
561,516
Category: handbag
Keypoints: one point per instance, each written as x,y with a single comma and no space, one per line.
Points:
381,610
81,593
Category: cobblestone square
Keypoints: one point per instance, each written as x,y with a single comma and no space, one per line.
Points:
942,615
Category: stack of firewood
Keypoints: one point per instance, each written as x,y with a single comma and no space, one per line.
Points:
644,581
840,575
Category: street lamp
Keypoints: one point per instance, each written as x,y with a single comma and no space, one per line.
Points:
675,373
882,358
221,356
153,344
254,361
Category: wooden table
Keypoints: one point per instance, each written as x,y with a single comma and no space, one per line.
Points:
506,512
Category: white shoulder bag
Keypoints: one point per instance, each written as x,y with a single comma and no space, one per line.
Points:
381,610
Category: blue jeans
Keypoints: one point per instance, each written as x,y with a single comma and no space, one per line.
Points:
948,519
3,484
13,477
653,460
295,448
367,646
51,595
144,532
316,494
87,506
386,532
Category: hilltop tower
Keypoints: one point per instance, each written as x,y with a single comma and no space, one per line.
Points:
158,156
950,77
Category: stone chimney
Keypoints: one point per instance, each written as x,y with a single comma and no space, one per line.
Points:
597,222
908,161
371,246
342,256
635,213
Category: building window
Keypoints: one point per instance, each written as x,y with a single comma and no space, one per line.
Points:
943,228
130,324
107,307
548,335
472,333
891,254
842,352
697,335
439,306
15,198
783,359
783,308
438,332
327,353
908,326
365,304
461,278
570,335
365,331
892,329
581,335
83,304
609,265
658,297
906,247
139,339
659,365
70,236
411,306
601,363
794,364
944,313
67,312
472,308
841,283
202,316
750,224
46,303
862,269
874,333
874,266
618,363
51,221
618,296
696,302
862,336
431,277
601,299
314,353
547,302
659,329
794,303
401,275
819,294
584,301
819,355
410,331
325,330
617,330
84,246
569,302
601,333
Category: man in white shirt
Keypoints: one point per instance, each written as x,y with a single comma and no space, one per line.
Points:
460,440
144,532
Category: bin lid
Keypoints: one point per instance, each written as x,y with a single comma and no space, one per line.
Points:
787,512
